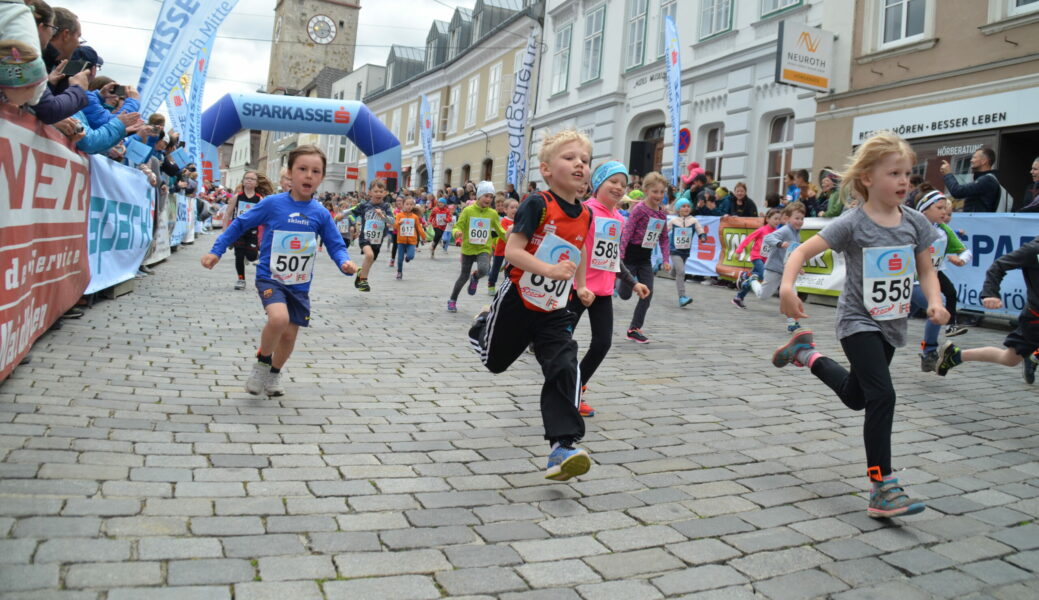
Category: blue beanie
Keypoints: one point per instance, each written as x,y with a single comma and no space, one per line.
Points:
605,171
683,202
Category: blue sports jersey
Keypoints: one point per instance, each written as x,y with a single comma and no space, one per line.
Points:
289,246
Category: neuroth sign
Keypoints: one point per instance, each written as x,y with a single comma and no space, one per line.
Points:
804,56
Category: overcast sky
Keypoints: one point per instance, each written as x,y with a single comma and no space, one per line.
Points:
120,31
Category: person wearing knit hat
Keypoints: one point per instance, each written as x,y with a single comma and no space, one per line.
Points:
609,180
479,227
680,228
21,69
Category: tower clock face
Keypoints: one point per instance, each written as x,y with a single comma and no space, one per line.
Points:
321,29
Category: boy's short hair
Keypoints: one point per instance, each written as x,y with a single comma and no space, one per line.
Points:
794,207
378,182
803,174
653,178
551,144
304,150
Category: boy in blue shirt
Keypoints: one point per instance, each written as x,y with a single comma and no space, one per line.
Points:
292,221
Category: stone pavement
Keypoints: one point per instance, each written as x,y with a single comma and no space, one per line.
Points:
132,464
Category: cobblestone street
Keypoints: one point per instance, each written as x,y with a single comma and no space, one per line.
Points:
133,465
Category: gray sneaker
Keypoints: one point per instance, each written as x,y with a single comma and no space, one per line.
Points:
928,361
240,284
258,378
273,386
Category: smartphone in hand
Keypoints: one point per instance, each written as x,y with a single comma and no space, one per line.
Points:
119,90
74,67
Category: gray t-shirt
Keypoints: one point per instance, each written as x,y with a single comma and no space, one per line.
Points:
776,255
852,234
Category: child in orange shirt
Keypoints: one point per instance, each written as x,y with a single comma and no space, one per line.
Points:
409,227
499,250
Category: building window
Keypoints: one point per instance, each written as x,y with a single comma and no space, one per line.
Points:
431,54
561,58
360,91
769,7
1018,7
715,17
344,143
452,111
470,101
636,33
434,115
713,153
477,19
411,123
903,20
591,61
389,74
395,123
465,174
447,177
668,8
488,169
493,92
780,153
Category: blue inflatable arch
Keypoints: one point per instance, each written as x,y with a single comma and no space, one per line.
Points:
353,119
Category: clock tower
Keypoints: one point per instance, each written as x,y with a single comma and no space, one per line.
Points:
308,36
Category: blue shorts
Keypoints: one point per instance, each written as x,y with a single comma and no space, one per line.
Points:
297,303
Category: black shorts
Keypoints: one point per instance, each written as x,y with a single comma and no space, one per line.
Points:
362,243
1025,339
297,303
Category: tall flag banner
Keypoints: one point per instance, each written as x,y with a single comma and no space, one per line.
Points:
426,131
674,89
177,103
518,112
182,29
193,138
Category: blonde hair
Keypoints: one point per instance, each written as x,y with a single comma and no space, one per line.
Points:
653,178
551,144
866,156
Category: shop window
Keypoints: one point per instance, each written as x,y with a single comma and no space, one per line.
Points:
715,17
903,21
780,152
715,141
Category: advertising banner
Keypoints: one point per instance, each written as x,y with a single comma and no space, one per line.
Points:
804,56
989,236
160,246
192,216
178,218
43,231
674,89
177,106
181,30
120,226
426,131
703,256
517,113
193,132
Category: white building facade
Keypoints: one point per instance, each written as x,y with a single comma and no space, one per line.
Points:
341,152
603,73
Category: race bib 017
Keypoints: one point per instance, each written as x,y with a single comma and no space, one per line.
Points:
407,228
542,292
292,256
887,281
479,230
654,227
606,245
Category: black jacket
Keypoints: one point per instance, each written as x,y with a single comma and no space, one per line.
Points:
1031,201
980,195
1025,258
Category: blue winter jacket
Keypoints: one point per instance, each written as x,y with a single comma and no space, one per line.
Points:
99,140
98,115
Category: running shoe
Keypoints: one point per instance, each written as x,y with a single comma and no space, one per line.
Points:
684,301
792,327
491,290
362,284
400,275
741,279
1030,363
787,353
258,378
635,335
946,358
273,387
955,330
473,283
738,302
393,263
452,306
565,463
240,284
889,500
72,313
928,361
585,410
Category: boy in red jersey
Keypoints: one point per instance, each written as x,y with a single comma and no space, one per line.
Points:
546,257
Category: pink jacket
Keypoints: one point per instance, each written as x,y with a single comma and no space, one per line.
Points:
599,282
755,238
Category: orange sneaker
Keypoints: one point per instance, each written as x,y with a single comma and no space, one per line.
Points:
586,411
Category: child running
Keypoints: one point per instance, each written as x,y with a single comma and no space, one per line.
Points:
1023,343
439,217
546,259
744,282
409,228
375,216
294,221
643,231
777,244
602,247
474,228
246,247
510,207
680,236
884,244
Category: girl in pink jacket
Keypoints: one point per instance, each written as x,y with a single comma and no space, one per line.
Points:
745,283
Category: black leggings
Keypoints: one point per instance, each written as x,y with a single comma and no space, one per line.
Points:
643,272
438,234
600,317
949,290
867,386
241,253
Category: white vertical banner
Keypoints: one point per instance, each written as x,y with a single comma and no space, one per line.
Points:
674,89
426,131
518,112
